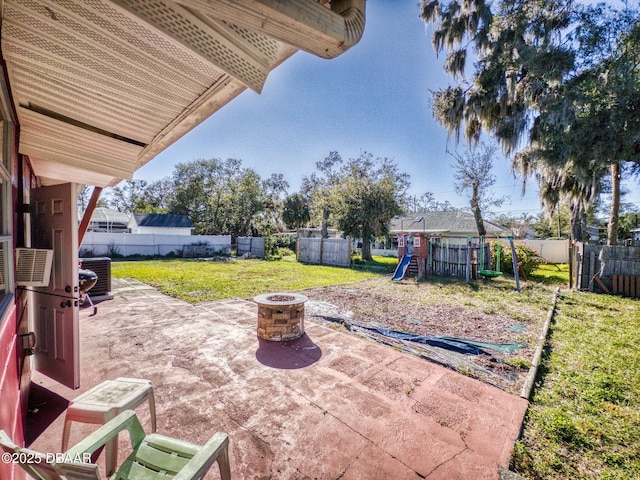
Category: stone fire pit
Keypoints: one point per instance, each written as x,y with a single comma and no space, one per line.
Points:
280,316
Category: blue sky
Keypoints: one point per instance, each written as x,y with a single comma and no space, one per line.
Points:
372,98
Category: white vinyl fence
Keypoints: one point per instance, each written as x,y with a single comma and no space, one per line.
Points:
106,244
553,251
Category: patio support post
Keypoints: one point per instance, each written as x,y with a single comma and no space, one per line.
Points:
86,218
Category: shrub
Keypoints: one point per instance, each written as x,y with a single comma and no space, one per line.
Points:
86,253
356,259
114,250
528,258
276,247
270,248
286,252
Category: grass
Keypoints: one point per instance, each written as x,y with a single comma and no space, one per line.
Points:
380,265
201,281
551,274
584,421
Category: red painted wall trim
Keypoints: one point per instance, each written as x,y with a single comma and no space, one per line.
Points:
10,409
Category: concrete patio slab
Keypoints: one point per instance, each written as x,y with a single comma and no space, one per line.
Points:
328,405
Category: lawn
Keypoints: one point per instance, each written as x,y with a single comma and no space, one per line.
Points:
551,274
584,421
201,281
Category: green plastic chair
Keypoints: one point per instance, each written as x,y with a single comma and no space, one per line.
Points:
154,456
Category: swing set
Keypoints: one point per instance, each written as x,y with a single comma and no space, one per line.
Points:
425,257
497,272
490,273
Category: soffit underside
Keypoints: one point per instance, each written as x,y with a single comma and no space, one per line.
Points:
102,86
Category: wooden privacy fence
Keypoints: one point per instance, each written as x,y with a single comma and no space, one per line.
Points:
251,245
324,251
452,260
608,269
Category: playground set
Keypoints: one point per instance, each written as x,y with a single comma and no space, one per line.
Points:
420,255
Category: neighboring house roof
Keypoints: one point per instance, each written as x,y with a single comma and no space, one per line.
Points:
450,222
165,220
100,88
106,215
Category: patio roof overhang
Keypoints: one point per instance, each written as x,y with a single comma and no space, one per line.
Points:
100,88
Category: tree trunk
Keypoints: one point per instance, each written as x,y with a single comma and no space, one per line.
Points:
366,250
612,228
475,208
325,220
576,222
366,244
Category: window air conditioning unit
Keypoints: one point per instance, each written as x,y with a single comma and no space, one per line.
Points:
33,267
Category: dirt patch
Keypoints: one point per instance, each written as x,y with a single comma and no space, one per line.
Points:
488,312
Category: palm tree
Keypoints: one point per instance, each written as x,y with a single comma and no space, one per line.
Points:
296,211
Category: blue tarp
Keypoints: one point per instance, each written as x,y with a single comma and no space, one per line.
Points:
460,345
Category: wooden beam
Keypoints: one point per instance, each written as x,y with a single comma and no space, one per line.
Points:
86,218
303,24
592,268
602,285
571,265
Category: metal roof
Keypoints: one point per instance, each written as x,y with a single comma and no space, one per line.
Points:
162,220
100,87
107,215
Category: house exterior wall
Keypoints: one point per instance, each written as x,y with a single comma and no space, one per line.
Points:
15,318
11,418
162,230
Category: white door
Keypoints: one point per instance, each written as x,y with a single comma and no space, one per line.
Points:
55,226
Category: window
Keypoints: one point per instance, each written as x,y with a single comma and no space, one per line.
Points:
6,209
